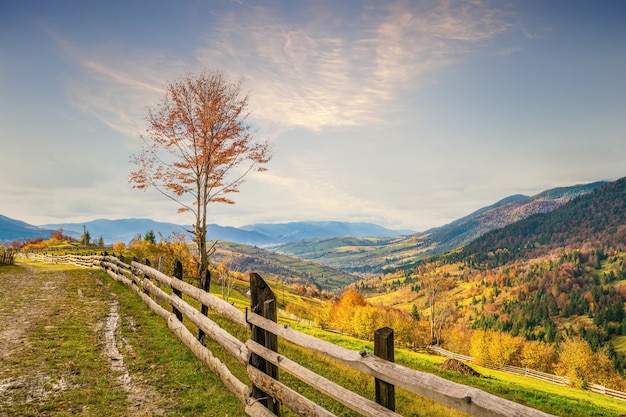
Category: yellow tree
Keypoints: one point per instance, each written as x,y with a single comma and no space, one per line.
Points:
198,147
365,321
343,311
582,365
539,356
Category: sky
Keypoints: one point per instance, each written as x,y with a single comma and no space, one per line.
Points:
407,114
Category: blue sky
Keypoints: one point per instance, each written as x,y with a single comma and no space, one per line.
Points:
408,114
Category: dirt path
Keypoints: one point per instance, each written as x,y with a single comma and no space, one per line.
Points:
60,347
143,400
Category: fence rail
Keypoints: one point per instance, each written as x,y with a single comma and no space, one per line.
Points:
259,353
554,379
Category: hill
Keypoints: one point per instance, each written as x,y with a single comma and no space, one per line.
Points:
597,218
548,277
295,231
386,254
279,267
11,229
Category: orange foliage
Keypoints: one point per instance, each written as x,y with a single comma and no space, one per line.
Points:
198,147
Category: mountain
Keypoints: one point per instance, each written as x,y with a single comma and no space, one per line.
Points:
506,211
546,277
11,229
124,230
598,218
295,231
384,254
255,234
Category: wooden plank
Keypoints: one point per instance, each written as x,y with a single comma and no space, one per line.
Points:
178,274
460,397
346,397
256,409
288,397
205,284
229,342
214,303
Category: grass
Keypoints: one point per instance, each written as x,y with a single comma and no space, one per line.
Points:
619,342
63,350
187,387
64,365
550,398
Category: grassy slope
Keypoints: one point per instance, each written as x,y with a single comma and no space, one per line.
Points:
66,344
162,362
554,399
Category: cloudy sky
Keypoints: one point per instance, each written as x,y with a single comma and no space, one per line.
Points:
408,114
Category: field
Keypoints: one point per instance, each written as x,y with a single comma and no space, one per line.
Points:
55,359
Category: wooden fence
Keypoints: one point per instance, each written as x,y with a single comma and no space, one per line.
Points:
554,379
259,353
6,256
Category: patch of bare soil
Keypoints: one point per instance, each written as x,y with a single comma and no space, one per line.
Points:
142,398
458,366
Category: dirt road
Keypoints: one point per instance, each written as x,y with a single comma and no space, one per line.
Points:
61,350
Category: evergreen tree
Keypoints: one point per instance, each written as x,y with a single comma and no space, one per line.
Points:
150,237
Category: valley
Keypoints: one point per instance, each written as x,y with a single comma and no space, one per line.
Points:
536,273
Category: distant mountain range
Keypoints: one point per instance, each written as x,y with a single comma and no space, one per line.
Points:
11,229
125,230
375,255
348,245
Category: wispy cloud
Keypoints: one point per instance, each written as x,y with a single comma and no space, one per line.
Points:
114,84
318,73
325,67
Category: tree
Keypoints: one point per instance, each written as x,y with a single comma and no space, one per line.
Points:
582,365
198,147
343,311
150,237
539,356
227,280
85,238
434,285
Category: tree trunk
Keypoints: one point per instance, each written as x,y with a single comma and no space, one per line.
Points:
203,259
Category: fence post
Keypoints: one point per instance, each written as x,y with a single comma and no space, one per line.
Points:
205,284
263,303
383,348
178,273
145,290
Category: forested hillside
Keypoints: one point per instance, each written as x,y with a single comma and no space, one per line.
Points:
552,280
597,218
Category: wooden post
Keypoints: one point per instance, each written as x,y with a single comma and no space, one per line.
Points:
205,284
178,273
383,348
145,290
263,303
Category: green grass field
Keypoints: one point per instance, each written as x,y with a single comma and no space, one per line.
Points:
182,385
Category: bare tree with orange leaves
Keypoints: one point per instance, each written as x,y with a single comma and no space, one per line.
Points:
198,147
